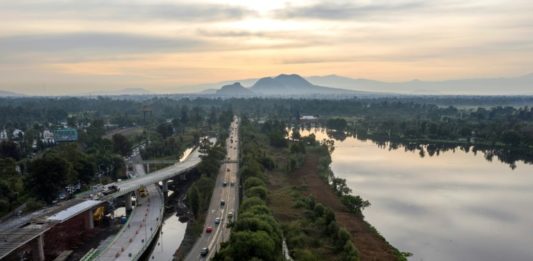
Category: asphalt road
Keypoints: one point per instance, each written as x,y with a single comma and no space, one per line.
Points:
228,193
142,226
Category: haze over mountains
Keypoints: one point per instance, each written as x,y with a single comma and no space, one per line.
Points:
333,85
522,85
10,94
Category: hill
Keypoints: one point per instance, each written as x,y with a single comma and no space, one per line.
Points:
234,90
10,94
295,85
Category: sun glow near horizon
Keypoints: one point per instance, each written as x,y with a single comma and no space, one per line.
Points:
74,46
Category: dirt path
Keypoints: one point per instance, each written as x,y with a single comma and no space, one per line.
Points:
371,246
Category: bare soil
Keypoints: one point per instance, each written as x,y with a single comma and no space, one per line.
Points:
371,245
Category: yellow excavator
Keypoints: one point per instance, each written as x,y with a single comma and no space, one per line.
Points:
98,214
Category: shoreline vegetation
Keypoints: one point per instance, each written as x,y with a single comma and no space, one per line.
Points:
290,180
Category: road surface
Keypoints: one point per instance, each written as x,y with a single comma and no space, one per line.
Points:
133,184
228,193
142,225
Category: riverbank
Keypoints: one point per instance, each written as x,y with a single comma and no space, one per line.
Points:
306,181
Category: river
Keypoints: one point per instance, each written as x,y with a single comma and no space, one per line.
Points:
451,206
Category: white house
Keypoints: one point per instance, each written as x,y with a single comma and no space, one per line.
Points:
18,134
3,135
47,137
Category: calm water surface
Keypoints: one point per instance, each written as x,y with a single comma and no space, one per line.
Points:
455,206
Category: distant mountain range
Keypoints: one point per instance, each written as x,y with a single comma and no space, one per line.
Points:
293,85
522,85
10,94
283,85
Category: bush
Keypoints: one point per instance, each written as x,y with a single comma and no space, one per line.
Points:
250,202
258,191
252,182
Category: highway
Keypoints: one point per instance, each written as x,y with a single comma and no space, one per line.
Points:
229,193
143,224
134,184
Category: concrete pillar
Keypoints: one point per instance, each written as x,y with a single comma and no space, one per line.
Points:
165,186
147,168
128,202
89,220
38,248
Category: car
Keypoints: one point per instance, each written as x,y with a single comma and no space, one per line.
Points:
111,189
230,214
232,183
209,230
217,220
222,203
225,183
204,251
228,170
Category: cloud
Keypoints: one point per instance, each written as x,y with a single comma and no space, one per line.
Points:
347,10
229,33
99,9
93,41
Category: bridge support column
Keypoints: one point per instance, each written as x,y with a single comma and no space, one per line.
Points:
89,220
38,248
128,204
165,186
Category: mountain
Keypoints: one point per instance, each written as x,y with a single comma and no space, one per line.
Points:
234,90
10,94
295,85
522,85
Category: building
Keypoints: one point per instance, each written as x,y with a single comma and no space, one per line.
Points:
18,134
3,135
66,135
47,137
308,118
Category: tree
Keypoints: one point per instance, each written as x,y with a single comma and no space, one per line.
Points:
337,124
47,177
295,134
9,149
257,191
246,245
193,196
165,130
355,203
121,144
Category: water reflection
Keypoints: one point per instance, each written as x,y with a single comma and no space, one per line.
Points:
440,202
503,154
170,237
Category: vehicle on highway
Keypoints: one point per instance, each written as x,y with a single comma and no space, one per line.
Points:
204,251
222,203
143,192
228,170
230,215
232,183
217,220
225,183
111,189
209,230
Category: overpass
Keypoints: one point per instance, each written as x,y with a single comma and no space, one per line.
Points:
29,233
131,185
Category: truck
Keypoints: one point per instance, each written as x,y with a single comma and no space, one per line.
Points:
143,192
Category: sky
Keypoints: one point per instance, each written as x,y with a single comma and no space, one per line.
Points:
54,47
